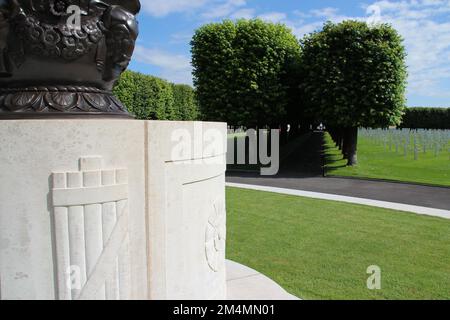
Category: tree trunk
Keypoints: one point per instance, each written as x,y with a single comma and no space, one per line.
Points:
351,142
339,138
345,141
283,133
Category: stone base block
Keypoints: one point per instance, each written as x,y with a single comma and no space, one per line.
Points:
112,209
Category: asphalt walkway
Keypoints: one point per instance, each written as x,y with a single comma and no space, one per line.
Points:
302,170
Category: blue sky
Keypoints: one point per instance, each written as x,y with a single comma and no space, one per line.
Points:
168,25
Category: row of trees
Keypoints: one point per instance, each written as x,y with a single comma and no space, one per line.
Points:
257,74
152,98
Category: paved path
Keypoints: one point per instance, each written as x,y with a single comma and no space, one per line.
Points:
302,171
369,202
244,283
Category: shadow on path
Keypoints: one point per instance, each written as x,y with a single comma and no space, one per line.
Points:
306,161
302,170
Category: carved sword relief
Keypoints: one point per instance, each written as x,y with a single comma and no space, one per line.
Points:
91,232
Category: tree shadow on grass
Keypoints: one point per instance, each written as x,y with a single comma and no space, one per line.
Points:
333,158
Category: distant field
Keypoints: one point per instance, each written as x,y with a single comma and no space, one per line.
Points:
320,249
387,161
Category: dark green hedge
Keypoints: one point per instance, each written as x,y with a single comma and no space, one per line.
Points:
152,98
426,118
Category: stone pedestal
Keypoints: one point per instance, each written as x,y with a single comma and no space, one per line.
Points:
112,209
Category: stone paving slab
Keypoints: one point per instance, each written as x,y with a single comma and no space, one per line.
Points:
244,283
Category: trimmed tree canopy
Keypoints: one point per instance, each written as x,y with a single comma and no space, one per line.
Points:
355,74
241,70
185,103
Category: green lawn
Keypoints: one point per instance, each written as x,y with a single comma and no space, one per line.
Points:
374,161
320,249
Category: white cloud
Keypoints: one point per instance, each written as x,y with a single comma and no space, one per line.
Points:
161,8
274,16
303,29
316,18
175,68
161,58
325,12
223,9
425,26
207,9
244,14
181,37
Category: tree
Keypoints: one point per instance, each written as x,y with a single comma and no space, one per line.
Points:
146,97
185,103
241,71
354,75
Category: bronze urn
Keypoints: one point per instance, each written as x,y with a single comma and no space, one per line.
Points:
61,58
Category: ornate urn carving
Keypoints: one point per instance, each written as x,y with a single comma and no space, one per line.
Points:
62,57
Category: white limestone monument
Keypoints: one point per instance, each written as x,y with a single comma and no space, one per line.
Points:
95,204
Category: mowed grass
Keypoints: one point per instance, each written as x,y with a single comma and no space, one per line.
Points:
374,161
320,249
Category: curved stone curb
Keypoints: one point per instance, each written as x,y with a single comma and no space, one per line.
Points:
244,283
368,202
